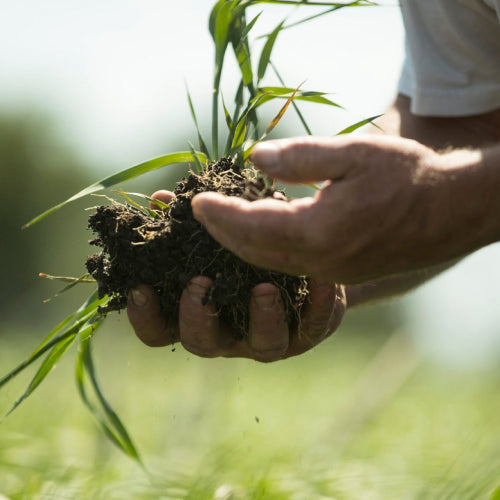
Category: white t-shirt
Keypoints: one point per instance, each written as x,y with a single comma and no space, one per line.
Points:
452,65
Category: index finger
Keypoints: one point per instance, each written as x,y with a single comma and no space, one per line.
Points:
313,159
236,222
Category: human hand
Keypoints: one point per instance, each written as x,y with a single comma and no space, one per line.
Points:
388,205
269,337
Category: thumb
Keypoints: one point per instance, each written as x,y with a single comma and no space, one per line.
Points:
308,159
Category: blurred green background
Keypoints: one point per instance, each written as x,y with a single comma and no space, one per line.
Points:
370,414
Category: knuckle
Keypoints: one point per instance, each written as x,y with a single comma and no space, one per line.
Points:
314,331
203,348
269,355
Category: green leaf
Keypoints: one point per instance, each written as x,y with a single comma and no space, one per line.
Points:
298,3
229,120
265,56
201,141
325,12
62,331
239,135
359,124
199,166
46,367
239,39
294,104
125,175
271,93
103,412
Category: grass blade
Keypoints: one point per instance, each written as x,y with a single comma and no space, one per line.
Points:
104,413
294,104
238,101
359,124
265,56
85,278
46,367
221,17
86,311
125,175
201,141
197,162
239,39
229,120
281,112
361,3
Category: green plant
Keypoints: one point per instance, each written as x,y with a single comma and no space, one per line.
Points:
230,29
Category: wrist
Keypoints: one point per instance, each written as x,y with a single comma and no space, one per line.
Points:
472,188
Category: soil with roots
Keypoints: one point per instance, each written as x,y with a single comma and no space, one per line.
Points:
167,248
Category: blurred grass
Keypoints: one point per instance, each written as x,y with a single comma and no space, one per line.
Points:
360,417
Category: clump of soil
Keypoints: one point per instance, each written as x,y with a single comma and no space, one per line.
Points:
167,251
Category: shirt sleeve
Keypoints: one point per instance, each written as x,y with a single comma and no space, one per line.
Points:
452,65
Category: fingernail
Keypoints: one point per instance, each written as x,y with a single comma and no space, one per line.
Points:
266,301
196,292
138,298
266,155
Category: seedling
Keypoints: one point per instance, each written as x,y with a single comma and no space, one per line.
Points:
165,246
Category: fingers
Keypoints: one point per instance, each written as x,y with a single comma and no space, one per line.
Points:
268,335
309,159
239,224
161,195
143,310
199,328
202,334
321,316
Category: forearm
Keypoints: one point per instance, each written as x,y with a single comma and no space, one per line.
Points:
391,286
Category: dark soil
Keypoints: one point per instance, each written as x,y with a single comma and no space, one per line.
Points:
167,251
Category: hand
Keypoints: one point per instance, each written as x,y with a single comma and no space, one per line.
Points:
268,339
388,205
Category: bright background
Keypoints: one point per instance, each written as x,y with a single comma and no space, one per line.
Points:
99,86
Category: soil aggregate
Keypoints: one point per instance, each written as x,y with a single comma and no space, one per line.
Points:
168,248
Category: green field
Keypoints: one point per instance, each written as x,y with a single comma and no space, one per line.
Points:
357,418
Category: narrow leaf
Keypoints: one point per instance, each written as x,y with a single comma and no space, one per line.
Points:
199,166
282,111
359,124
265,56
229,121
87,311
201,141
294,104
85,278
45,368
104,414
124,175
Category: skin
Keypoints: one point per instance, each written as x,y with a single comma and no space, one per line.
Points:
269,338
391,213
